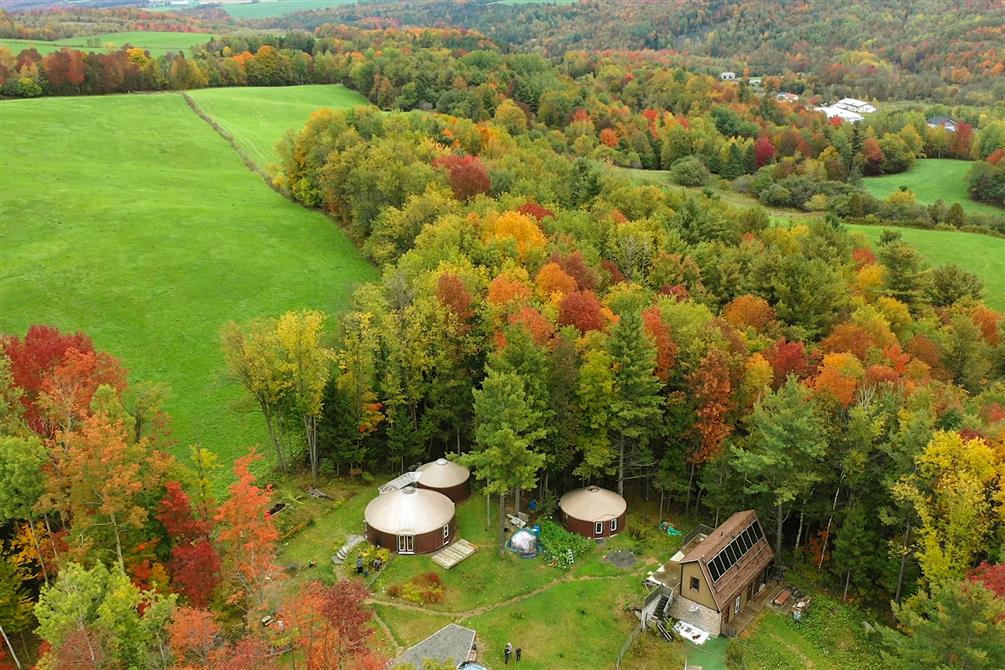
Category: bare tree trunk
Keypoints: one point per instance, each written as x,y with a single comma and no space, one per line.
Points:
118,544
311,433
799,533
690,480
778,534
847,583
13,655
488,509
48,528
830,520
621,467
903,561
502,523
38,550
518,501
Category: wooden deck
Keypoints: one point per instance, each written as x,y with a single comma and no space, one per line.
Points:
453,554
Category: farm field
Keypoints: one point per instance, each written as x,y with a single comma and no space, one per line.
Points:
932,179
149,242
157,43
259,117
981,254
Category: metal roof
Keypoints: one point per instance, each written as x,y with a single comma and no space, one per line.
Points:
450,643
442,474
409,511
593,504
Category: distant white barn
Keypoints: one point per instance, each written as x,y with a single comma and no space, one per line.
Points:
854,105
727,76
833,112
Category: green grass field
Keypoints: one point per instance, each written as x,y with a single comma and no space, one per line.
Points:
150,241
931,180
981,254
259,117
157,43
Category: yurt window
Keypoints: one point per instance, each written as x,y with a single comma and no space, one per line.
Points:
598,528
446,533
614,525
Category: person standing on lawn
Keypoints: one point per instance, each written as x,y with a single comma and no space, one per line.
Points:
519,651
507,652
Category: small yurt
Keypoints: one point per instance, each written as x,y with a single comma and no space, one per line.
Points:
410,520
593,512
449,478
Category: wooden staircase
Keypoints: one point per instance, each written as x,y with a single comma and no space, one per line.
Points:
453,554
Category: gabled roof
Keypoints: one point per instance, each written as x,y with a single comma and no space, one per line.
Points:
452,642
726,569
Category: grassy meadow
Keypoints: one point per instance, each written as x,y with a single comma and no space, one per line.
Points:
981,254
150,241
930,180
259,117
157,43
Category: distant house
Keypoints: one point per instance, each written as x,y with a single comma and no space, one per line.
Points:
833,112
727,76
754,81
452,643
853,105
722,574
787,97
942,122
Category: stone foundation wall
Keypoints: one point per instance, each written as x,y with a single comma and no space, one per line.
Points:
705,618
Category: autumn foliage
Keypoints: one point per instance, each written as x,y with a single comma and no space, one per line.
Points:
583,310
466,175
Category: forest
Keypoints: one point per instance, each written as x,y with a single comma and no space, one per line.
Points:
549,322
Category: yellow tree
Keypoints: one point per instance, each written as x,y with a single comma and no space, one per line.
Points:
307,367
956,490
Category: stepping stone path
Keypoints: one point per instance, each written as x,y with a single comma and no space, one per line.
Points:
343,553
450,556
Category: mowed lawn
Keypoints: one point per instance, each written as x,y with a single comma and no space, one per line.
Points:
981,254
258,117
157,43
129,218
930,180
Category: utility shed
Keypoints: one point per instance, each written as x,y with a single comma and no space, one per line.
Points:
450,643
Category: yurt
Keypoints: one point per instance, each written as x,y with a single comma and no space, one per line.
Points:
449,478
410,520
593,512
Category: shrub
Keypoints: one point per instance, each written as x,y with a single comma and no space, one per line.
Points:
689,171
556,542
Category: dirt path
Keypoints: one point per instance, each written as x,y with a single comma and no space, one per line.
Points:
477,611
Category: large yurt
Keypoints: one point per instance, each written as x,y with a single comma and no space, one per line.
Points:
449,478
410,520
593,512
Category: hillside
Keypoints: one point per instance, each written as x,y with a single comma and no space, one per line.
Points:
930,180
149,242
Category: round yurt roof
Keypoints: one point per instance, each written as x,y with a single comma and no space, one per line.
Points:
409,511
442,474
593,504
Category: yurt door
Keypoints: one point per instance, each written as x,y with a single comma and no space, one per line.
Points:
406,544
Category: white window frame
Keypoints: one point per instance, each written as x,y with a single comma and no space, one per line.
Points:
446,533
598,528
406,544
614,525
736,604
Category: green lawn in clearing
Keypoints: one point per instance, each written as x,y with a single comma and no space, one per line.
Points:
932,179
981,254
129,218
271,8
259,117
157,43
829,637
